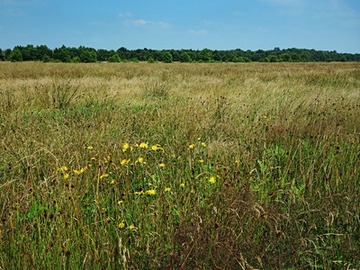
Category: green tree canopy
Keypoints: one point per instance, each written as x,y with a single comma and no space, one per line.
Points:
15,55
88,55
114,58
185,57
167,58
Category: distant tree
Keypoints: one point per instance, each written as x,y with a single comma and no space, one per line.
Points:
271,58
123,53
343,59
15,55
7,54
185,57
104,55
2,55
167,57
304,57
42,51
114,58
285,57
62,54
75,59
28,53
151,60
46,58
205,55
88,56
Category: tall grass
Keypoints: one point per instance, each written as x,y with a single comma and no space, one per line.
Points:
179,166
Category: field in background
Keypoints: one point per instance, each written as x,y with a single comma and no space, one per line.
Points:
179,166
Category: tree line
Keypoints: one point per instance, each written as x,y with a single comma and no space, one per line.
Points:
84,54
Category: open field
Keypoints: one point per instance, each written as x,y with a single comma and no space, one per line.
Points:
180,166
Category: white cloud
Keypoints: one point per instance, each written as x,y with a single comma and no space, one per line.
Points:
147,23
129,19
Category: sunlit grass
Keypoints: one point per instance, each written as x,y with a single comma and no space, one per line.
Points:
180,166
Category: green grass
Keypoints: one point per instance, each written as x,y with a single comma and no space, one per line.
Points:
179,166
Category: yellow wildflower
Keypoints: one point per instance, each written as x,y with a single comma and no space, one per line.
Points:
63,169
157,147
192,146
182,185
82,170
132,227
151,192
112,182
203,144
212,179
139,192
162,165
120,202
143,145
124,162
201,161
66,176
167,189
126,147
89,147
140,160
121,225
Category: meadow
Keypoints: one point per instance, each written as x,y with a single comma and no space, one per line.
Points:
179,166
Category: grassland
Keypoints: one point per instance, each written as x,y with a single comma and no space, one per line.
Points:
179,166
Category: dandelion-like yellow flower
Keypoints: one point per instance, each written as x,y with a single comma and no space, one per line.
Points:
201,161
162,165
157,147
140,160
150,192
167,189
192,146
66,176
112,182
132,227
139,192
120,202
237,161
203,144
121,225
124,162
126,147
182,185
144,145
212,179
90,147
81,171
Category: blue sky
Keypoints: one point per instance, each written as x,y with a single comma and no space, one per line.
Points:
186,24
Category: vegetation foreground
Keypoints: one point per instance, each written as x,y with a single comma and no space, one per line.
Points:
179,166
